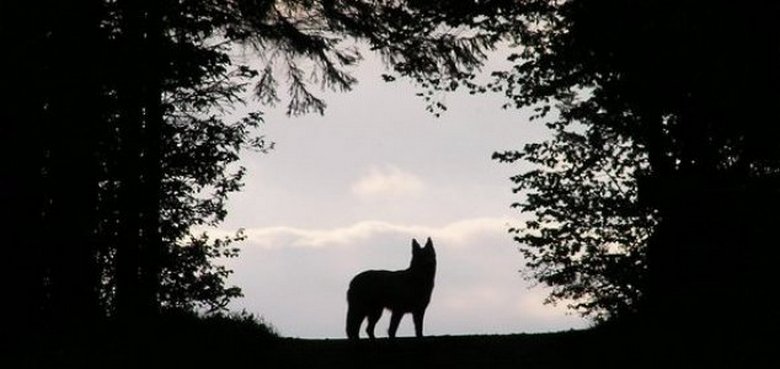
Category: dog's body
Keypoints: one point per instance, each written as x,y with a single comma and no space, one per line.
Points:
401,292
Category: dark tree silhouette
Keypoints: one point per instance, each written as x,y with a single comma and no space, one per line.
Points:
588,232
676,99
20,181
50,187
121,111
656,193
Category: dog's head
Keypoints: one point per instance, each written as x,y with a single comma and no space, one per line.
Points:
423,257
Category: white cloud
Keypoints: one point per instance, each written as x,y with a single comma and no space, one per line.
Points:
454,234
297,278
387,181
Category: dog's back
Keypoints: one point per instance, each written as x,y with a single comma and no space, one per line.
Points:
403,291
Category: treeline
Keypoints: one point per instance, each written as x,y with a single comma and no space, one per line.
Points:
655,199
121,120
114,153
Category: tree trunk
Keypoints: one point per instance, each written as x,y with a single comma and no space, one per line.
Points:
130,95
22,153
72,118
140,92
151,252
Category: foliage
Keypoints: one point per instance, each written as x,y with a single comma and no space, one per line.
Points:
200,138
310,44
231,326
658,140
134,119
191,279
587,234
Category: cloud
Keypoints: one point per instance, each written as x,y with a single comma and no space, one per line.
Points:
297,278
454,234
387,181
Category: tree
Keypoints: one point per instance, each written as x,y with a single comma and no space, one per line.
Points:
657,91
49,128
587,234
131,144
198,77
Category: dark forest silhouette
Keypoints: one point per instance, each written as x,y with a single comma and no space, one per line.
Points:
117,140
678,139
115,144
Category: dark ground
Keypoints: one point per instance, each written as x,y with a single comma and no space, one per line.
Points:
227,349
552,350
230,344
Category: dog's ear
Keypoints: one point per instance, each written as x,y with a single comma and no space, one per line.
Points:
429,243
415,245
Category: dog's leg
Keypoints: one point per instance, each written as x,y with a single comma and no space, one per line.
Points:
418,322
395,319
373,317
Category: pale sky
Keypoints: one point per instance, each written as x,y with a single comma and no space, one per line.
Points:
347,191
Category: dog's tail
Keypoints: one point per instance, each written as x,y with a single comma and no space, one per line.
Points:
355,316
